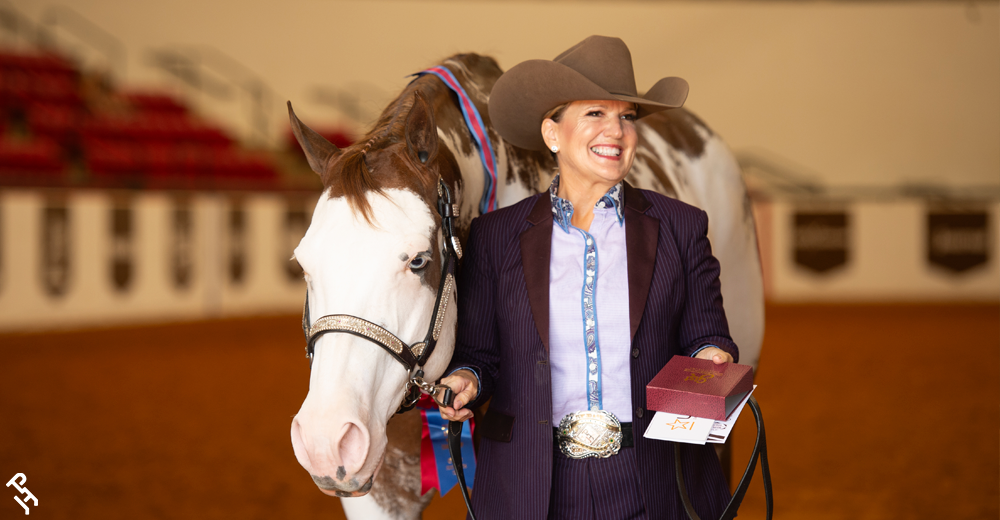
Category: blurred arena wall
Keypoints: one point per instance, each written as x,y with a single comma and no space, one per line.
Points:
868,93
99,257
868,132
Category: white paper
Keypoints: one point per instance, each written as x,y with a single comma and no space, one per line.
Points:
720,429
680,428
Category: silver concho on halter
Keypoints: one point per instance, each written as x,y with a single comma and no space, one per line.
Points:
593,433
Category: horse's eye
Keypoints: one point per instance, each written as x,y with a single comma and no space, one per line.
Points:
419,262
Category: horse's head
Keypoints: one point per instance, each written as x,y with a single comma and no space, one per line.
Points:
374,250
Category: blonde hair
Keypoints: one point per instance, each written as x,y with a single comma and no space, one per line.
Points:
556,113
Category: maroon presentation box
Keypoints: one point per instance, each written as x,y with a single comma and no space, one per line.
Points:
699,388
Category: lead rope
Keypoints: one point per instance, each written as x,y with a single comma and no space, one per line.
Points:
455,447
759,450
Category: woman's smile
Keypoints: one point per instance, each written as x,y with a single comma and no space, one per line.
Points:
612,152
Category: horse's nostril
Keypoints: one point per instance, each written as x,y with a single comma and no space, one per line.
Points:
353,448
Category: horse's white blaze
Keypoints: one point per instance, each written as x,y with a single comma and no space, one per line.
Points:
355,386
714,183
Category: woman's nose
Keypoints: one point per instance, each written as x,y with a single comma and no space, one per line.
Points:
614,128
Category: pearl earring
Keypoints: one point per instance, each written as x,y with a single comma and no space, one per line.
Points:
555,148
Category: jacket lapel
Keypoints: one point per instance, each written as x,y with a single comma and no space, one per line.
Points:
641,234
536,249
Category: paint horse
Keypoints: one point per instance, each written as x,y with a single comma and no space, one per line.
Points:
375,246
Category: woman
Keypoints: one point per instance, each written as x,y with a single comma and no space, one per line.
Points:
572,300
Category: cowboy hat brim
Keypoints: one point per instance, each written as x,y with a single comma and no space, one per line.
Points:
522,96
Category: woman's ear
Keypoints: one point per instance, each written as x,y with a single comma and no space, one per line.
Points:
550,133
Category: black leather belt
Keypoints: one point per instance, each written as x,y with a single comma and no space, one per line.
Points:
627,441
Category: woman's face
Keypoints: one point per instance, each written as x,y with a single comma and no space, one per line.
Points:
596,140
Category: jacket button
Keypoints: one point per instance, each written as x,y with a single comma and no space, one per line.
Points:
638,412
635,352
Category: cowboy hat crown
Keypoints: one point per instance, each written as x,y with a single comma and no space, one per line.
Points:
599,67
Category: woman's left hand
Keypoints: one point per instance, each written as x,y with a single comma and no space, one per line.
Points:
716,354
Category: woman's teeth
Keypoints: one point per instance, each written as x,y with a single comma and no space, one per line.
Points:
607,151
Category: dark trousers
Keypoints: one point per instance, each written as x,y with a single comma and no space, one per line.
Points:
595,488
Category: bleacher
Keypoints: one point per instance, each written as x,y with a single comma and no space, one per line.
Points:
60,127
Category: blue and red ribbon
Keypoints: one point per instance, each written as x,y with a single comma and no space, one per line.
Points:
436,467
478,130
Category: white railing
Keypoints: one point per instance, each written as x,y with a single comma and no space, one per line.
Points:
96,258
100,258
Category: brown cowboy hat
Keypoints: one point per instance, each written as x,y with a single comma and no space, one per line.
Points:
599,67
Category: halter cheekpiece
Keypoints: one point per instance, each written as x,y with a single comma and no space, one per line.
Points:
412,357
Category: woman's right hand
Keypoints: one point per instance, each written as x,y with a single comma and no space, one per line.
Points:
466,387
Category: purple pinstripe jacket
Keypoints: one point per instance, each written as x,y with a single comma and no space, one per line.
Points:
675,306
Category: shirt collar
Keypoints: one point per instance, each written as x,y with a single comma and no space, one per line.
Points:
562,209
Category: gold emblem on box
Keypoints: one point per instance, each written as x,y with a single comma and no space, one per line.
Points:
698,376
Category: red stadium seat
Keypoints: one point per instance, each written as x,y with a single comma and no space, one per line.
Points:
43,62
106,157
35,157
155,102
150,140
235,170
54,120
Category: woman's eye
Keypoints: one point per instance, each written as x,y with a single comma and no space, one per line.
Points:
597,113
629,117
419,262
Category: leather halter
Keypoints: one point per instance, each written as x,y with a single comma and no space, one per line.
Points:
412,357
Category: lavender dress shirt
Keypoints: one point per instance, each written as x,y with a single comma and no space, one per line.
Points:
589,331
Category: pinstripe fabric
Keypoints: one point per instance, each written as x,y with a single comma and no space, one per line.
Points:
596,489
675,307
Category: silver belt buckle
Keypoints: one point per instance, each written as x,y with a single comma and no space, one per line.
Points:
593,433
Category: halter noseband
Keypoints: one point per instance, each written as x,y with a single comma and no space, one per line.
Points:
413,356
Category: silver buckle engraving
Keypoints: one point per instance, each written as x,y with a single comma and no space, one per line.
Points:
593,433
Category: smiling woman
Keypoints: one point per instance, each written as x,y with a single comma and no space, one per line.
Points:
573,299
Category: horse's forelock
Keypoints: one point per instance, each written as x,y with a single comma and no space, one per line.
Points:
350,176
355,182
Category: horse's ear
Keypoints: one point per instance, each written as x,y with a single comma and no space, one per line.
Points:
318,150
421,130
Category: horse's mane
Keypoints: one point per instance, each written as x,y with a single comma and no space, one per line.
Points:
353,179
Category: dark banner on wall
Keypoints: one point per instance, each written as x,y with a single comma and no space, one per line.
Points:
56,250
296,223
820,239
182,244
237,255
122,244
957,240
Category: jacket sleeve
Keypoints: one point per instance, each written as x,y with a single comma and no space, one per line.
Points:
476,343
704,320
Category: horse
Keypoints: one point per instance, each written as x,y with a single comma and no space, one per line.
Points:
376,243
